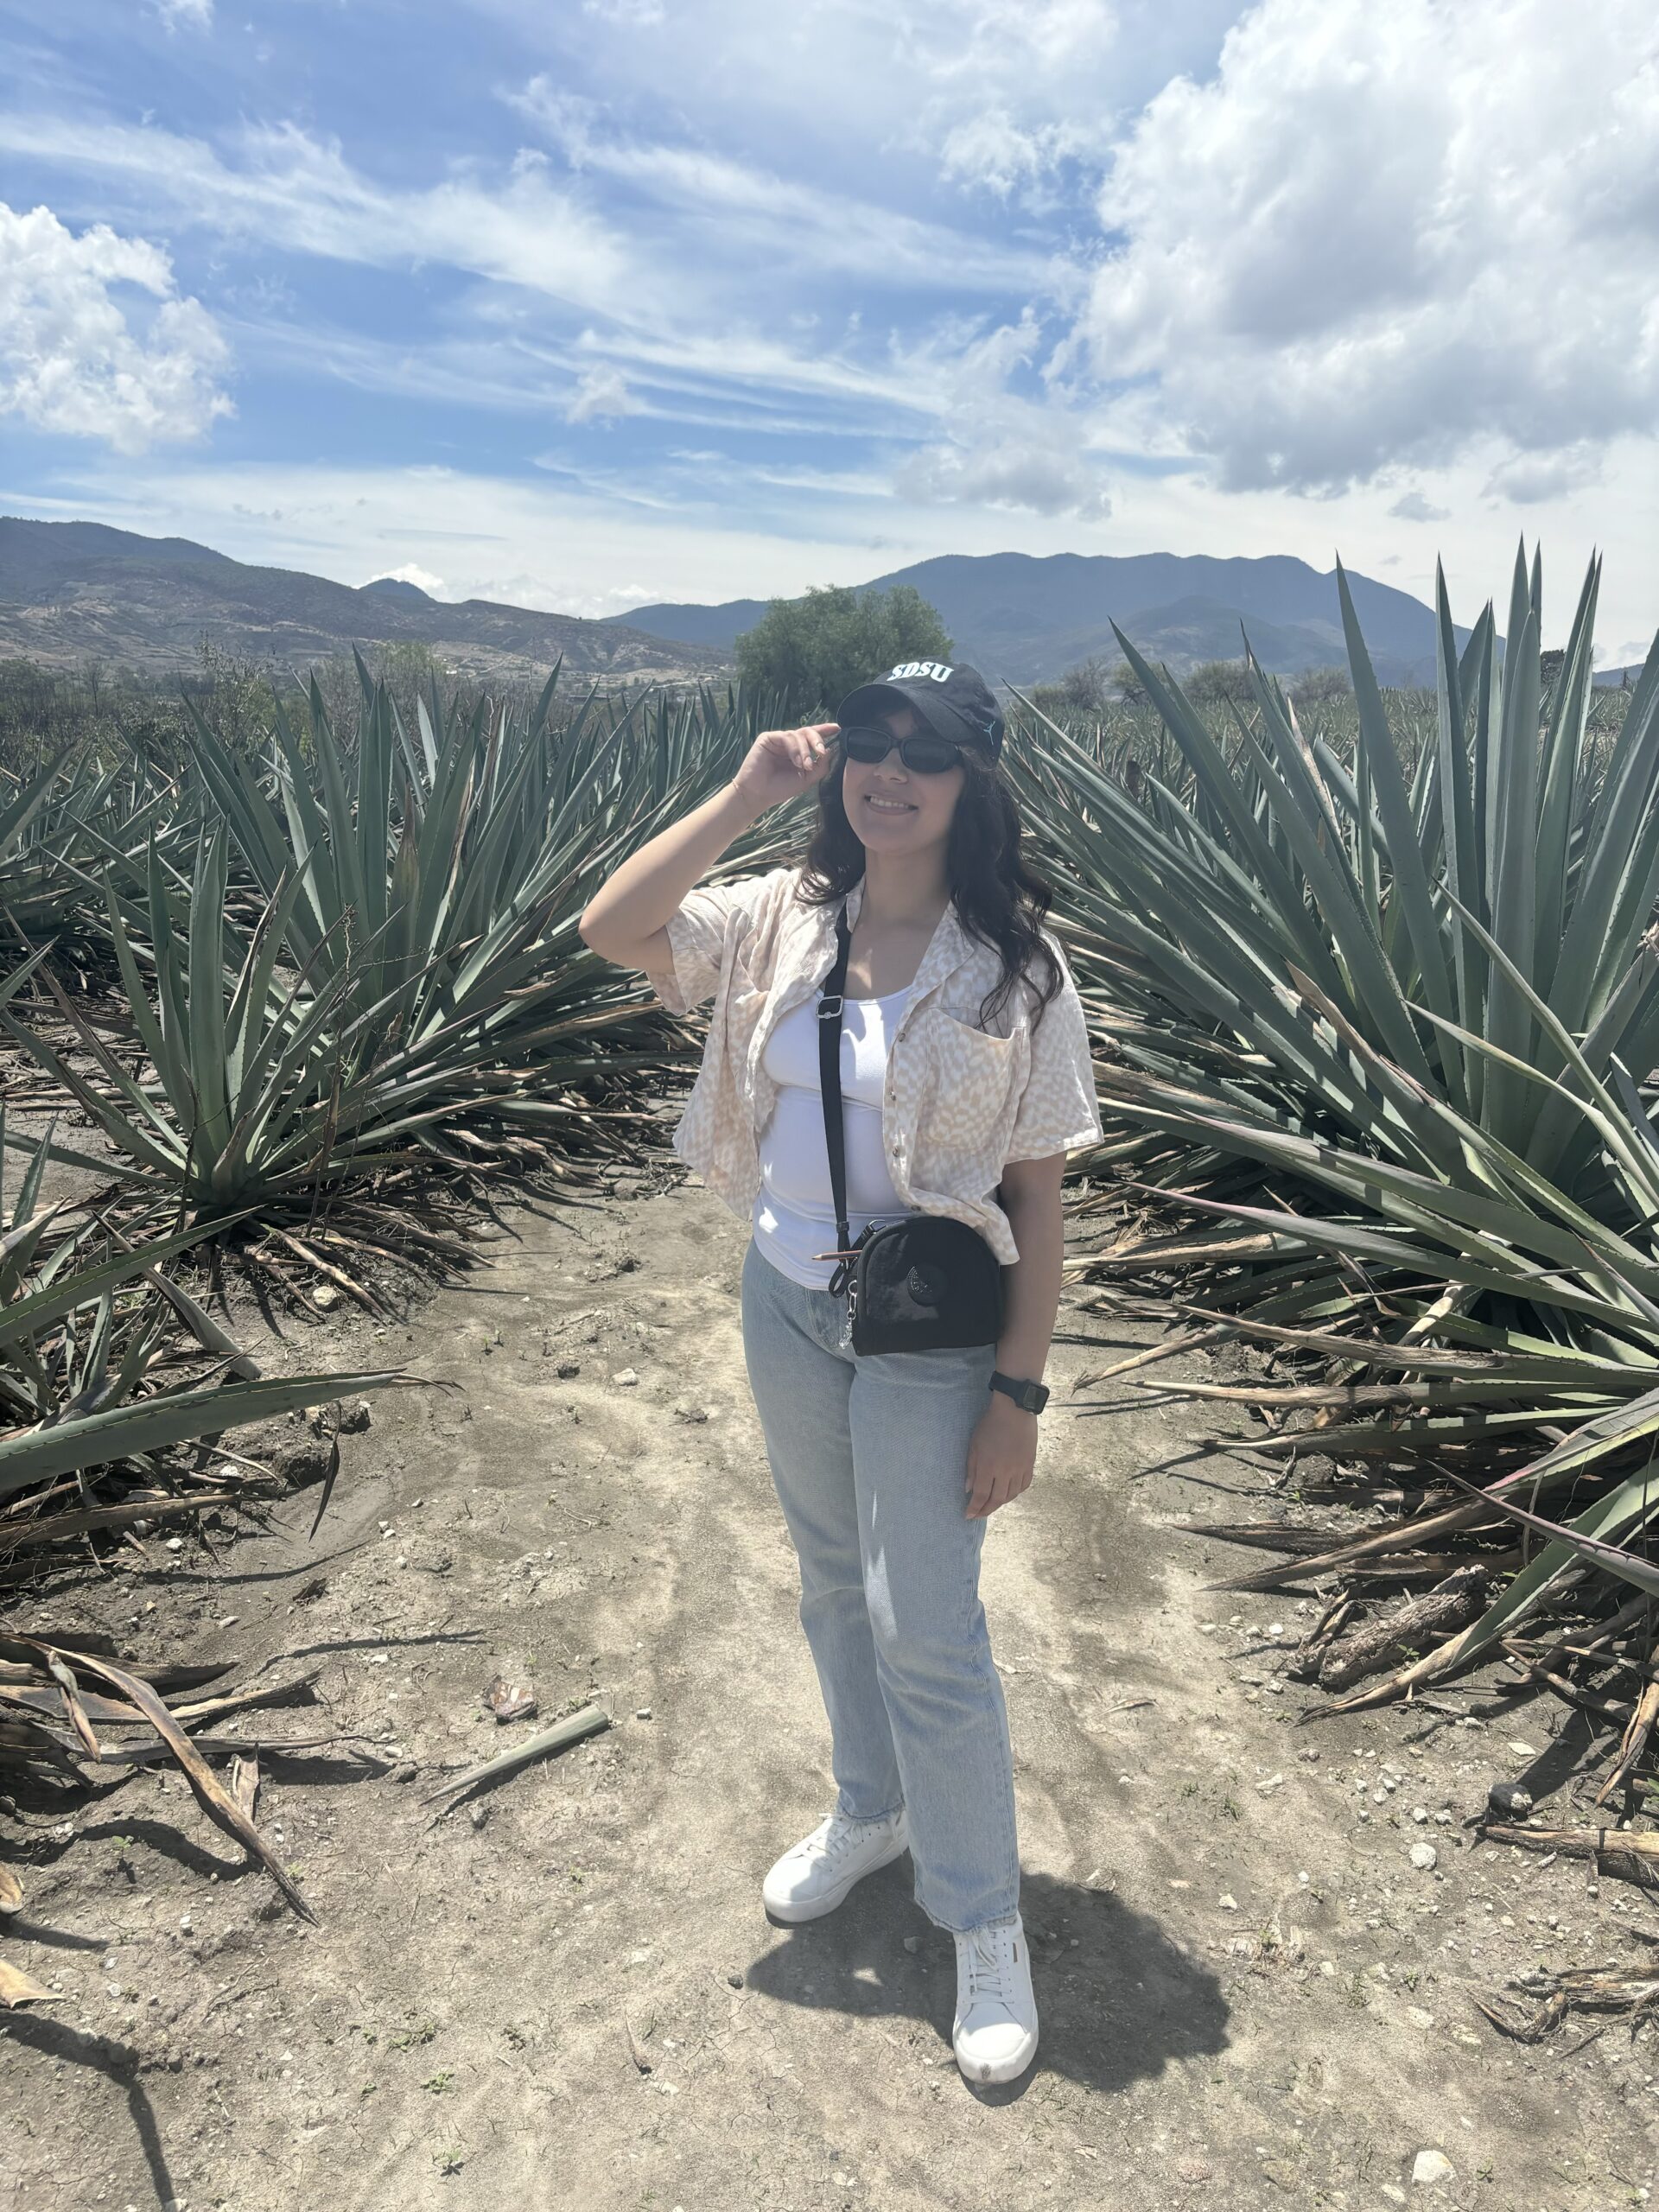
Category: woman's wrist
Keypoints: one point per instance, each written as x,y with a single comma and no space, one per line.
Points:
743,810
745,807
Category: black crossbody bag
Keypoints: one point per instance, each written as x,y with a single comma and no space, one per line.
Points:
924,1284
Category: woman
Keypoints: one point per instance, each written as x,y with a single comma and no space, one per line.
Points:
966,1079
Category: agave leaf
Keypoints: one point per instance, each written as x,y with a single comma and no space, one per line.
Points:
35,1455
1638,1501
29,1314
1629,1506
1382,767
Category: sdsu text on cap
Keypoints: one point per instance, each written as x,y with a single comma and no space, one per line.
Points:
955,701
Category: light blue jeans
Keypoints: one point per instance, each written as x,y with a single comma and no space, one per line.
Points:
869,1459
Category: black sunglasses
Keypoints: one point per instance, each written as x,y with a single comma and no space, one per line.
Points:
923,754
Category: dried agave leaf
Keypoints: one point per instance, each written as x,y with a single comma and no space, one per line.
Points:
70,1689
211,1794
244,1782
1579,1989
17,1989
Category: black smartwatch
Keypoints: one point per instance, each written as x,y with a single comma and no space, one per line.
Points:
1031,1397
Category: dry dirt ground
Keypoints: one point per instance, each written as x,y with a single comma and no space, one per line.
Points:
1250,1997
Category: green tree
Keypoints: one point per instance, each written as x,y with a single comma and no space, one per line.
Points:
1127,684
1219,684
814,650
1088,688
233,693
1321,687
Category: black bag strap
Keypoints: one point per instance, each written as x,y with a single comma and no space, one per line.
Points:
829,1010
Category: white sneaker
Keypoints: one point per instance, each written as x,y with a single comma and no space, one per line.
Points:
813,1877
995,2031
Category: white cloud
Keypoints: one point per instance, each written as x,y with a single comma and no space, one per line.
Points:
199,13
1000,449
95,341
1376,278
761,220
630,15
1053,37
1021,88
989,148
666,313
845,92
1529,479
1006,470
618,599
602,396
412,573
545,542
1379,236
300,193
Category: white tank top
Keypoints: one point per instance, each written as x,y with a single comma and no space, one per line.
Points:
794,1214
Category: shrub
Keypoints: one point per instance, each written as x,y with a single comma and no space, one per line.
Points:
1220,684
1320,687
813,651
1090,688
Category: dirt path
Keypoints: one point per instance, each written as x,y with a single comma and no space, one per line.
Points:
1249,1995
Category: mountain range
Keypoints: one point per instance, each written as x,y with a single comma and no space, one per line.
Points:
1022,619
76,591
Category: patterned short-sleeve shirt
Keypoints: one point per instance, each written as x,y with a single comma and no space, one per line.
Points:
961,1100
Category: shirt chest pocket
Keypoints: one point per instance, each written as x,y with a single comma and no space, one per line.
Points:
970,1084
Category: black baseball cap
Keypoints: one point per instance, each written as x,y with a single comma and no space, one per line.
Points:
954,702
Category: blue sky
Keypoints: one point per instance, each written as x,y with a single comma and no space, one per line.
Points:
586,302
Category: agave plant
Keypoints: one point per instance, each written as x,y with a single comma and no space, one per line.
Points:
1414,1002
85,1318
1295,913
438,881
72,827
88,1414
414,983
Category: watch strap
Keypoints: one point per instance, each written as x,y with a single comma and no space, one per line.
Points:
1030,1397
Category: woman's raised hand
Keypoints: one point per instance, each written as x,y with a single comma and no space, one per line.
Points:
781,764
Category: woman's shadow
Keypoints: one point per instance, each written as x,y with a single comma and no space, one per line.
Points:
1118,1996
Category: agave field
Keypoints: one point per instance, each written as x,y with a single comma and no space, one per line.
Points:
1377,1008
1376,998
287,1014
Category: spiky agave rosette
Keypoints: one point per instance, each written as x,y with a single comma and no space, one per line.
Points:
1393,1024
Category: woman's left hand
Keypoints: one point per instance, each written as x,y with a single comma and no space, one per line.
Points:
1002,1455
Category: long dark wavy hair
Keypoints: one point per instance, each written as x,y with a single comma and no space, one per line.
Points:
998,899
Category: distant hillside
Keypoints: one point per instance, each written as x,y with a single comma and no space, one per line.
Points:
1023,620
400,587
717,627
76,591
